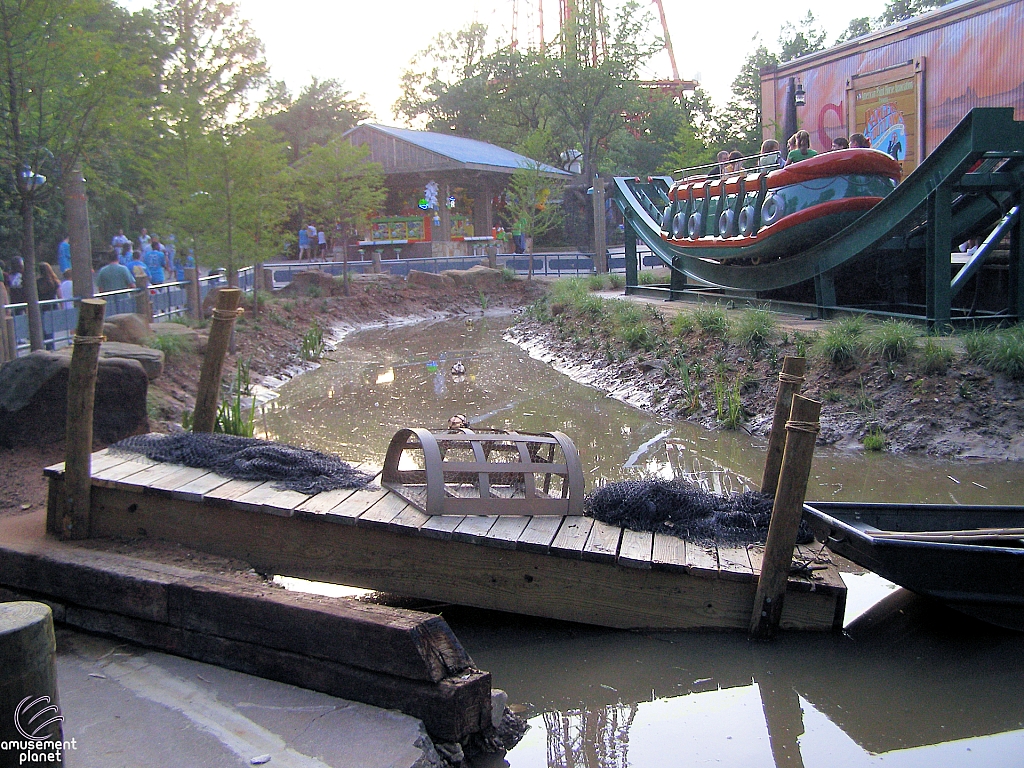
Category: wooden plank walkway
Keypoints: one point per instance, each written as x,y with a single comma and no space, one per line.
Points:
570,568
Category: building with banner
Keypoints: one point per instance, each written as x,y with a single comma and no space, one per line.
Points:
905,87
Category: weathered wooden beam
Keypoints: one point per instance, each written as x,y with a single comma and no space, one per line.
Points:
75,502
791,378
223,322
801,432
526,577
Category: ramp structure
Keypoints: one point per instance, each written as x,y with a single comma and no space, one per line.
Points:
971,186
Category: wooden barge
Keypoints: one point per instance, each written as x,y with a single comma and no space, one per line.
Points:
565,567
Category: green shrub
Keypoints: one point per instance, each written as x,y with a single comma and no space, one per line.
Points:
978,343
312,346
636,336
508,275
854,326
1006,354
711,319
874,440
832,396
935,358
171,346
682,324
892,340
596,282
837,345
728,403
755,328
649,278
616,281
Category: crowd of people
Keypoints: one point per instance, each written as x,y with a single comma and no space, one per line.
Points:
797,148
310,237
155,259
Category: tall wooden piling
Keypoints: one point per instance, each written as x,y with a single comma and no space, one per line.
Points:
7,351
143,305
195,307
74,517
790,380
801,432
224,316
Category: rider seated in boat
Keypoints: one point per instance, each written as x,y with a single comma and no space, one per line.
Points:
859,141
770,157
803,149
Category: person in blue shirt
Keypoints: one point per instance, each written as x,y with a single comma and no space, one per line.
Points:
156,261
303,243
137,267
64,255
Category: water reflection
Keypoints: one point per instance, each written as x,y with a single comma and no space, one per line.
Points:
910,684
382,380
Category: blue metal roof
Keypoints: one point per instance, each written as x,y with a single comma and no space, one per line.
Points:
465,150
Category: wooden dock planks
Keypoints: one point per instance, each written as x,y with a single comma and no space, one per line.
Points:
572,568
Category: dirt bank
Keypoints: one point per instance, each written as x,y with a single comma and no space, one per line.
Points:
964,411
269,338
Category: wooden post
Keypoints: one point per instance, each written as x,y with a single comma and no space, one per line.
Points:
801,432
143,306
600,237
195,306
7,343
28,684
74,517
790,380
268,280
213,361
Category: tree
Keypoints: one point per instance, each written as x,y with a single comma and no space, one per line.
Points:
856,28
241,201
801,39
58,77
323,110
526,204
901,10
588,97
742,116
336,183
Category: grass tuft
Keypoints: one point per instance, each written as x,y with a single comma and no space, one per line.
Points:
892,340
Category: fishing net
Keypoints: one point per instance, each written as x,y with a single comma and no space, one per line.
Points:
677,508
247,458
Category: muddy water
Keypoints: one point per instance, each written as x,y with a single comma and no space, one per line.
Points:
908,684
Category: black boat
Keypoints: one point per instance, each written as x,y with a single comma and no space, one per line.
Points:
969,557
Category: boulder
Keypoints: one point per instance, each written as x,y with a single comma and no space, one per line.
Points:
151,360
130,329
312,281
34,398
429,280
479,277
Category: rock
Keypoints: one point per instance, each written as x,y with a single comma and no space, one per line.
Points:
499,700
429,280
477,277
130,329
151,360
311,282
173,329
34,397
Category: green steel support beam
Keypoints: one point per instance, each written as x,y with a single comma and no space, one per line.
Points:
938,266
1016,287
677,280
824,292
632,263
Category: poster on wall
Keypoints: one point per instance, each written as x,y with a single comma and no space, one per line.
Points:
886,107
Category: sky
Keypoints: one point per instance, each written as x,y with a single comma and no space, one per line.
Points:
366,45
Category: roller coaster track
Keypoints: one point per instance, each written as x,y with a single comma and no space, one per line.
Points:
974,180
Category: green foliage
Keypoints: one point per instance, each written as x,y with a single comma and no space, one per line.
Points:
312,346
935,358
711,319
484,301
728,403
596,282
832,396
893,339
803,342
837,344
755,328
650,277
615,281
171,345
874,440
508,275
526,202
977,343
1006,353
683,324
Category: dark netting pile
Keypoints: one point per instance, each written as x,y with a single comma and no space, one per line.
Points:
246,458
677,508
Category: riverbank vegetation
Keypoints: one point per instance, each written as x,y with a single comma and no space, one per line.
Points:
883,384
